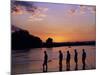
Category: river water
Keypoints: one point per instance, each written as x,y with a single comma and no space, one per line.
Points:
31,61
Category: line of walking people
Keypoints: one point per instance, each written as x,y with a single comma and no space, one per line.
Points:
68,57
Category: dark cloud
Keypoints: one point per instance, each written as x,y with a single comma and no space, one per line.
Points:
72,11
91,9
82,9
16,6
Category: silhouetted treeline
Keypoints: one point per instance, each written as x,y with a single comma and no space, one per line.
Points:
74,43
21,39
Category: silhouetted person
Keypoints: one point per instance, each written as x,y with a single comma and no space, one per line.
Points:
60,60
75,56
83,58
68,61
76,59
45,66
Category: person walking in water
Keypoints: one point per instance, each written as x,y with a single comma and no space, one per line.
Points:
83,58
68,61
60,60
76,58
45,66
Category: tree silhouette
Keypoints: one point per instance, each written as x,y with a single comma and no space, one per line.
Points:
49,42
22,39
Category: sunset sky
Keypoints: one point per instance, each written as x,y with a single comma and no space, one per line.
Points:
62,22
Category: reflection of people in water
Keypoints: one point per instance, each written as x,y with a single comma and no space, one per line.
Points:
68,61
45,66
83,58
60,60
76,59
